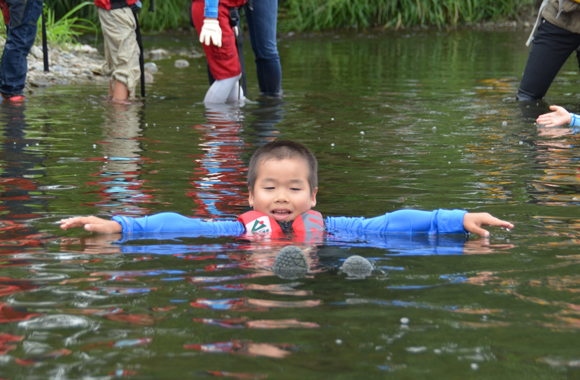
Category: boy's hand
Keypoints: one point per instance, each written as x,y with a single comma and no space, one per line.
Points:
93,224
472,222
555,119
211,32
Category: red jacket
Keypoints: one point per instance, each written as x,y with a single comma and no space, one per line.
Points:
114,4
233,3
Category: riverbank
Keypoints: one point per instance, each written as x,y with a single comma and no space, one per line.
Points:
82,64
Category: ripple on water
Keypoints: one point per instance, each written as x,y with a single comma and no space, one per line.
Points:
58,321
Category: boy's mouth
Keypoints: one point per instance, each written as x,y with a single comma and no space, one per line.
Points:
280,214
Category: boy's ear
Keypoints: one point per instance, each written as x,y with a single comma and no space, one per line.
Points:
251,198
313,200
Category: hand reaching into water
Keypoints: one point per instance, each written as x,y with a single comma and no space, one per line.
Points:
93,224
555,119
472,222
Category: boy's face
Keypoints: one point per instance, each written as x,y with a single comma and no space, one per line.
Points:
282,190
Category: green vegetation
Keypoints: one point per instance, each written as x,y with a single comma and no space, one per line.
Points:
169,14
67,28
302,15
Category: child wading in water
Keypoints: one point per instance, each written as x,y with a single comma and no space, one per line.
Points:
283,183
211,19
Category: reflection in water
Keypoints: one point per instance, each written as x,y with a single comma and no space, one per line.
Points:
438,133
245,348
220,174
21,167
119,184
244,322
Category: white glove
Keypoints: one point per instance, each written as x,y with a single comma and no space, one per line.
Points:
211,32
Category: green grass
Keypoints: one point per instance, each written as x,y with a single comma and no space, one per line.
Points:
169,14
301,15
66,29
304,15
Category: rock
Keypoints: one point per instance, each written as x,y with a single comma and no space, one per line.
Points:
158,54
195,54
151,67
37,67
39,82
148,77
57,69
181,63
36,52
84,49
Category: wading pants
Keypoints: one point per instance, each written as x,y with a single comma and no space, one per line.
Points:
551,48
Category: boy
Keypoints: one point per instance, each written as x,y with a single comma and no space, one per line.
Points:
122,51
559,117
20,17
211,19
282,183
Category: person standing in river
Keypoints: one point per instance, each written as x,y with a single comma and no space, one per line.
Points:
21,18
558,36
119,25
261,16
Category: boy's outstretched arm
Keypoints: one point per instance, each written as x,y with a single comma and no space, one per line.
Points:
472,222
93,224
555,119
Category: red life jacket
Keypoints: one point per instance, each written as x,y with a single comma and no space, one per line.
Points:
257,223
231,3
114,4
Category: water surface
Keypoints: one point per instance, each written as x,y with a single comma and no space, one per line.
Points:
419,119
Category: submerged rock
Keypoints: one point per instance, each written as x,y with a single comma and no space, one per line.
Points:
151,67
181,63
157,54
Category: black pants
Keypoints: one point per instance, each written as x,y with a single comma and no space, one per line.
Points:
551,48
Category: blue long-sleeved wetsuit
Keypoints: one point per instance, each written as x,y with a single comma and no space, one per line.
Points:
401,221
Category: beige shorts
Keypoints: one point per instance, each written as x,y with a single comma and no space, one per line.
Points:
121,48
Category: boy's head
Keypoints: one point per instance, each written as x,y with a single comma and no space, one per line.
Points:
283,180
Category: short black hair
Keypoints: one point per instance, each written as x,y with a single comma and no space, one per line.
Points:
280,150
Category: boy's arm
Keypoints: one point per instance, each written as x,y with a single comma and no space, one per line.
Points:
163,222
92,223
416,222
557,118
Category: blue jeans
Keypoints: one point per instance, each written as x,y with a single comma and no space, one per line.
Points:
20,34
262,26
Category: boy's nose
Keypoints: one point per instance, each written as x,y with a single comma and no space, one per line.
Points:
281,196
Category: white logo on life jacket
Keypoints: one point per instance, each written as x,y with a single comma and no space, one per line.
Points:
259,226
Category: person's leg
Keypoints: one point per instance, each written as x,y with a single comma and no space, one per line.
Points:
551,48
224,90
223,62
121,52
120,91
19,40
262,26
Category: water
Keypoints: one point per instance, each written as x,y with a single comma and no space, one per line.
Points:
441,130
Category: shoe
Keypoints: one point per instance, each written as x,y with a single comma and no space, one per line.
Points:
357,267
290,263
13,98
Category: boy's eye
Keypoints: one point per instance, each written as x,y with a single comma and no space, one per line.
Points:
295,189
269,188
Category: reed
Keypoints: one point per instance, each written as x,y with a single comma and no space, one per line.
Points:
169,14
301,15
67,28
